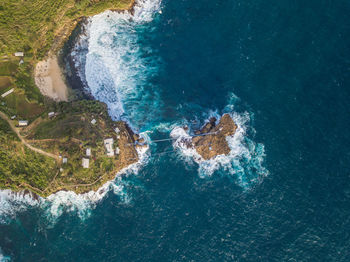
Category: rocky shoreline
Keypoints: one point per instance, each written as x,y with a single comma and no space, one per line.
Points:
210,140
68,63
130,143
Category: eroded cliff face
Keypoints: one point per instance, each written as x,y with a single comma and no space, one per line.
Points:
214,143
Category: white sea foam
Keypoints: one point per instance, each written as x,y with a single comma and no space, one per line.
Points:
68,201
4,258
114,66
12,202
244,160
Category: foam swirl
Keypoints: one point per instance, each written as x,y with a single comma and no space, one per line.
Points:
244,160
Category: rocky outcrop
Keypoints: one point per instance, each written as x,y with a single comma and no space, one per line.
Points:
210,141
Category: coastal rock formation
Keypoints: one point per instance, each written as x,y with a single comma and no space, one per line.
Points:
210,141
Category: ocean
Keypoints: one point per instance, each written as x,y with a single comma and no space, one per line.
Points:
281,69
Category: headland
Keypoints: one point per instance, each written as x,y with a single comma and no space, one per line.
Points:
50,139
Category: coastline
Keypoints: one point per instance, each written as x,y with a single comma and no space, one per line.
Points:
78,89
72,198
60,83
63,76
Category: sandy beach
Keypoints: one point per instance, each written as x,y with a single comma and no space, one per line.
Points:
49,79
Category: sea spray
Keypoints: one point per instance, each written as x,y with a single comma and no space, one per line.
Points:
115,68
4,258
13,202
244,160
62,202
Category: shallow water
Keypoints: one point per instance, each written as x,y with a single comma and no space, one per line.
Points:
284,68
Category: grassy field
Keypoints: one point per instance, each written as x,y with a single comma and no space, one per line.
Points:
8,68
68,134
5,83
19,165
34,27
37,28
24,109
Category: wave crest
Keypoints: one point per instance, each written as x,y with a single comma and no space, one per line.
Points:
62,202
114,67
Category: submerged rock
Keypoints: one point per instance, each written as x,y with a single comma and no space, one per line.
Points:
210,141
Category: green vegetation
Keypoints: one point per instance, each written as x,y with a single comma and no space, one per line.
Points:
17,104
66,135
23,108
37,28
5,84
25,81
8,67
20,166
74,120
34,27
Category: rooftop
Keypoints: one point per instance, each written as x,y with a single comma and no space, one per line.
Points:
85,163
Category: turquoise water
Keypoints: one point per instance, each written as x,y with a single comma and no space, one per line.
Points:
281,68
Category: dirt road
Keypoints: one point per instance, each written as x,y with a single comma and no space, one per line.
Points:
3,116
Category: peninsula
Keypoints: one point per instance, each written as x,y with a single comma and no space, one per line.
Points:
49,139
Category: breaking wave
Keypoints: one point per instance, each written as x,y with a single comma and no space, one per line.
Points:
115,67
4,258
245,160
11,203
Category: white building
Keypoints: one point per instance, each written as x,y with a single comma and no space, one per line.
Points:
117,130
88,152
20,54
23,122
93,121
13,117
109,146
64,160
7,93
117,151
51,114
86,162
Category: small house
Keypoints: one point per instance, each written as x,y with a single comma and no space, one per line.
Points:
86,163
117,130
88,152
7,93
51,114
64,160
117,151
13,117
19,54
93,121
109,146
22,122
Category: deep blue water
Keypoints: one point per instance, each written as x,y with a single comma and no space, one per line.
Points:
285,63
